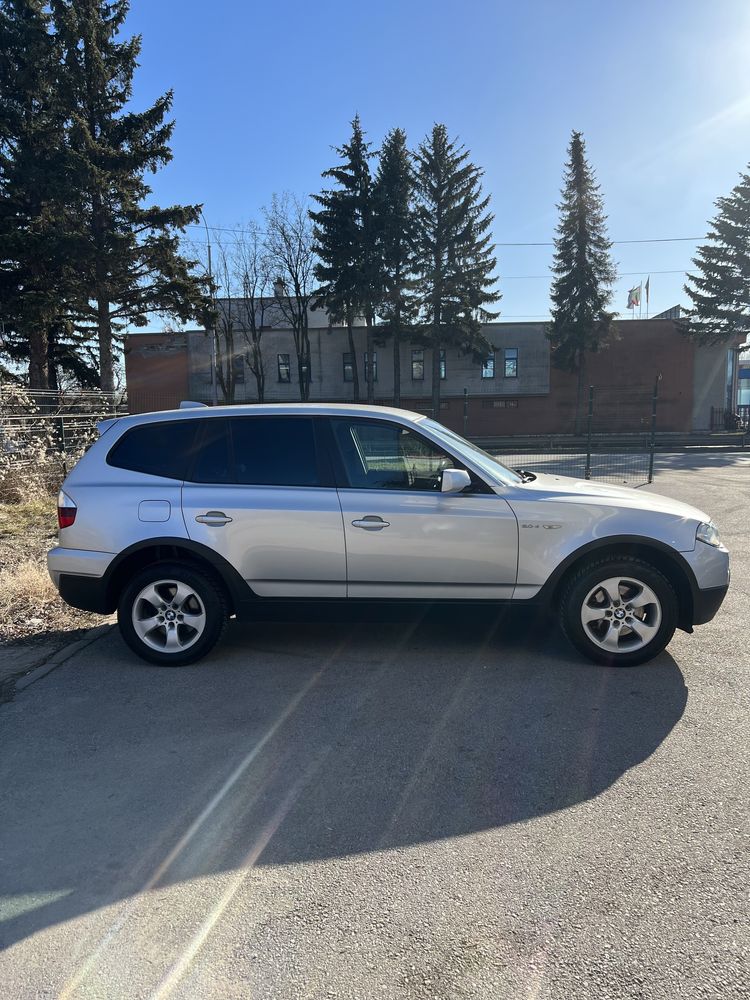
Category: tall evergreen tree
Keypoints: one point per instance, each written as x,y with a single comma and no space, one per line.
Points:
455,260
584,271
127,255
347,268
34,188
720,291
394,222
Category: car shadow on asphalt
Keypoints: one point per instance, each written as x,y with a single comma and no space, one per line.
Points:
301,741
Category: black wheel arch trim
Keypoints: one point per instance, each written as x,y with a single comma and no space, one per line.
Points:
622,543
239,592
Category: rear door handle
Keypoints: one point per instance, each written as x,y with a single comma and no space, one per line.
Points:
213,518
371,522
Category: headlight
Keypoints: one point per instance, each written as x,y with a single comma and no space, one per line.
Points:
709,534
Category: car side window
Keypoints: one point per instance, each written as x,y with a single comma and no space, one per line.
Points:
160,448
274,451
381,456
213,458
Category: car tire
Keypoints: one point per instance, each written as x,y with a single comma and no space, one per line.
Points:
619,611
172,614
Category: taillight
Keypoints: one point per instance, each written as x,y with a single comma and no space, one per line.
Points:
66,510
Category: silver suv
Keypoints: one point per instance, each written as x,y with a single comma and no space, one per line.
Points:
182,519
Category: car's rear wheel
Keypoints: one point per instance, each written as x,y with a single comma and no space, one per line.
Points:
619,611
172,615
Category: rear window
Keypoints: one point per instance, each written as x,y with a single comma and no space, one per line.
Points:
161,448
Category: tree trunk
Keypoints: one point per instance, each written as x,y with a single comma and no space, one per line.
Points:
52,377
353,353
397,366
370,373
436,381
38,371
104,330
436,317
578,427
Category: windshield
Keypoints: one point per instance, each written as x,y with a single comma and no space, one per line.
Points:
496,472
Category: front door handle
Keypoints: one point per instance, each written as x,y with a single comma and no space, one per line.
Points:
371,522
213,518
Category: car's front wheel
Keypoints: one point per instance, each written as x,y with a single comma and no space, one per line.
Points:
172,614
619,611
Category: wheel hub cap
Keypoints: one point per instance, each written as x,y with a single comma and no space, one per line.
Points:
168,616
621,614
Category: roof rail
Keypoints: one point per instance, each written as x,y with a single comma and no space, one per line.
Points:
190,404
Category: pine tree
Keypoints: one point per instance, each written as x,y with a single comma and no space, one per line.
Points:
455,259
394,221
35,266
347,270
721,290
127,255
585,273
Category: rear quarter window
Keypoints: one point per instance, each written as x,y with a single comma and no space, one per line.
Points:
161,448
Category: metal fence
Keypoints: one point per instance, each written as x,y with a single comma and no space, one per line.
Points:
62,424
724,419
599,453
52,423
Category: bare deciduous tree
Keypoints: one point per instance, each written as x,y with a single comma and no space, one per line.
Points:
258,307
291,259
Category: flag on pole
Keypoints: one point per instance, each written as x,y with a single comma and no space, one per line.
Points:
648,282
634,297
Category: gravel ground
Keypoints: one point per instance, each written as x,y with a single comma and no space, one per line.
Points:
449,807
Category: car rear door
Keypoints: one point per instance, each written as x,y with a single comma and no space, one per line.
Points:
260,493
406,539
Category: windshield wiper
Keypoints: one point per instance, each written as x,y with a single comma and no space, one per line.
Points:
526,476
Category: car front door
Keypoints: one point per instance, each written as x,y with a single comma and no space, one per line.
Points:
404,537
259,493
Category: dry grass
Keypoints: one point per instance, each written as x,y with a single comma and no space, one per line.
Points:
26,595
33,516
29,605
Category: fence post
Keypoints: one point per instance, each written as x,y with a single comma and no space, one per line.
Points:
63,447
652,441
589,422
466,410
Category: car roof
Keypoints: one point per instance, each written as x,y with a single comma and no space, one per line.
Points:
273,409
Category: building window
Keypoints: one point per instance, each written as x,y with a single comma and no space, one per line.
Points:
285,372
348,366
374,367
238,369
442,364
488,366
417,366
511,362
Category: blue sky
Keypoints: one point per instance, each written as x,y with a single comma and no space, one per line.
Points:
661,91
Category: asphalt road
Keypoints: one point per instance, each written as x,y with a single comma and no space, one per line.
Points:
448,806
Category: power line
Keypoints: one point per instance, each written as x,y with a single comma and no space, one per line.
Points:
660,239
621,274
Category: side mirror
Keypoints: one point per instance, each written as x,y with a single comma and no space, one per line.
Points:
454,480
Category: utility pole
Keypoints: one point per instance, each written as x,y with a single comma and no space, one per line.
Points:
212,331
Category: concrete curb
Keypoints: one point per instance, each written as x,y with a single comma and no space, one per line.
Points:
62,656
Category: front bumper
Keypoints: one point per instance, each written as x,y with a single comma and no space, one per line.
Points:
707,602
710,567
